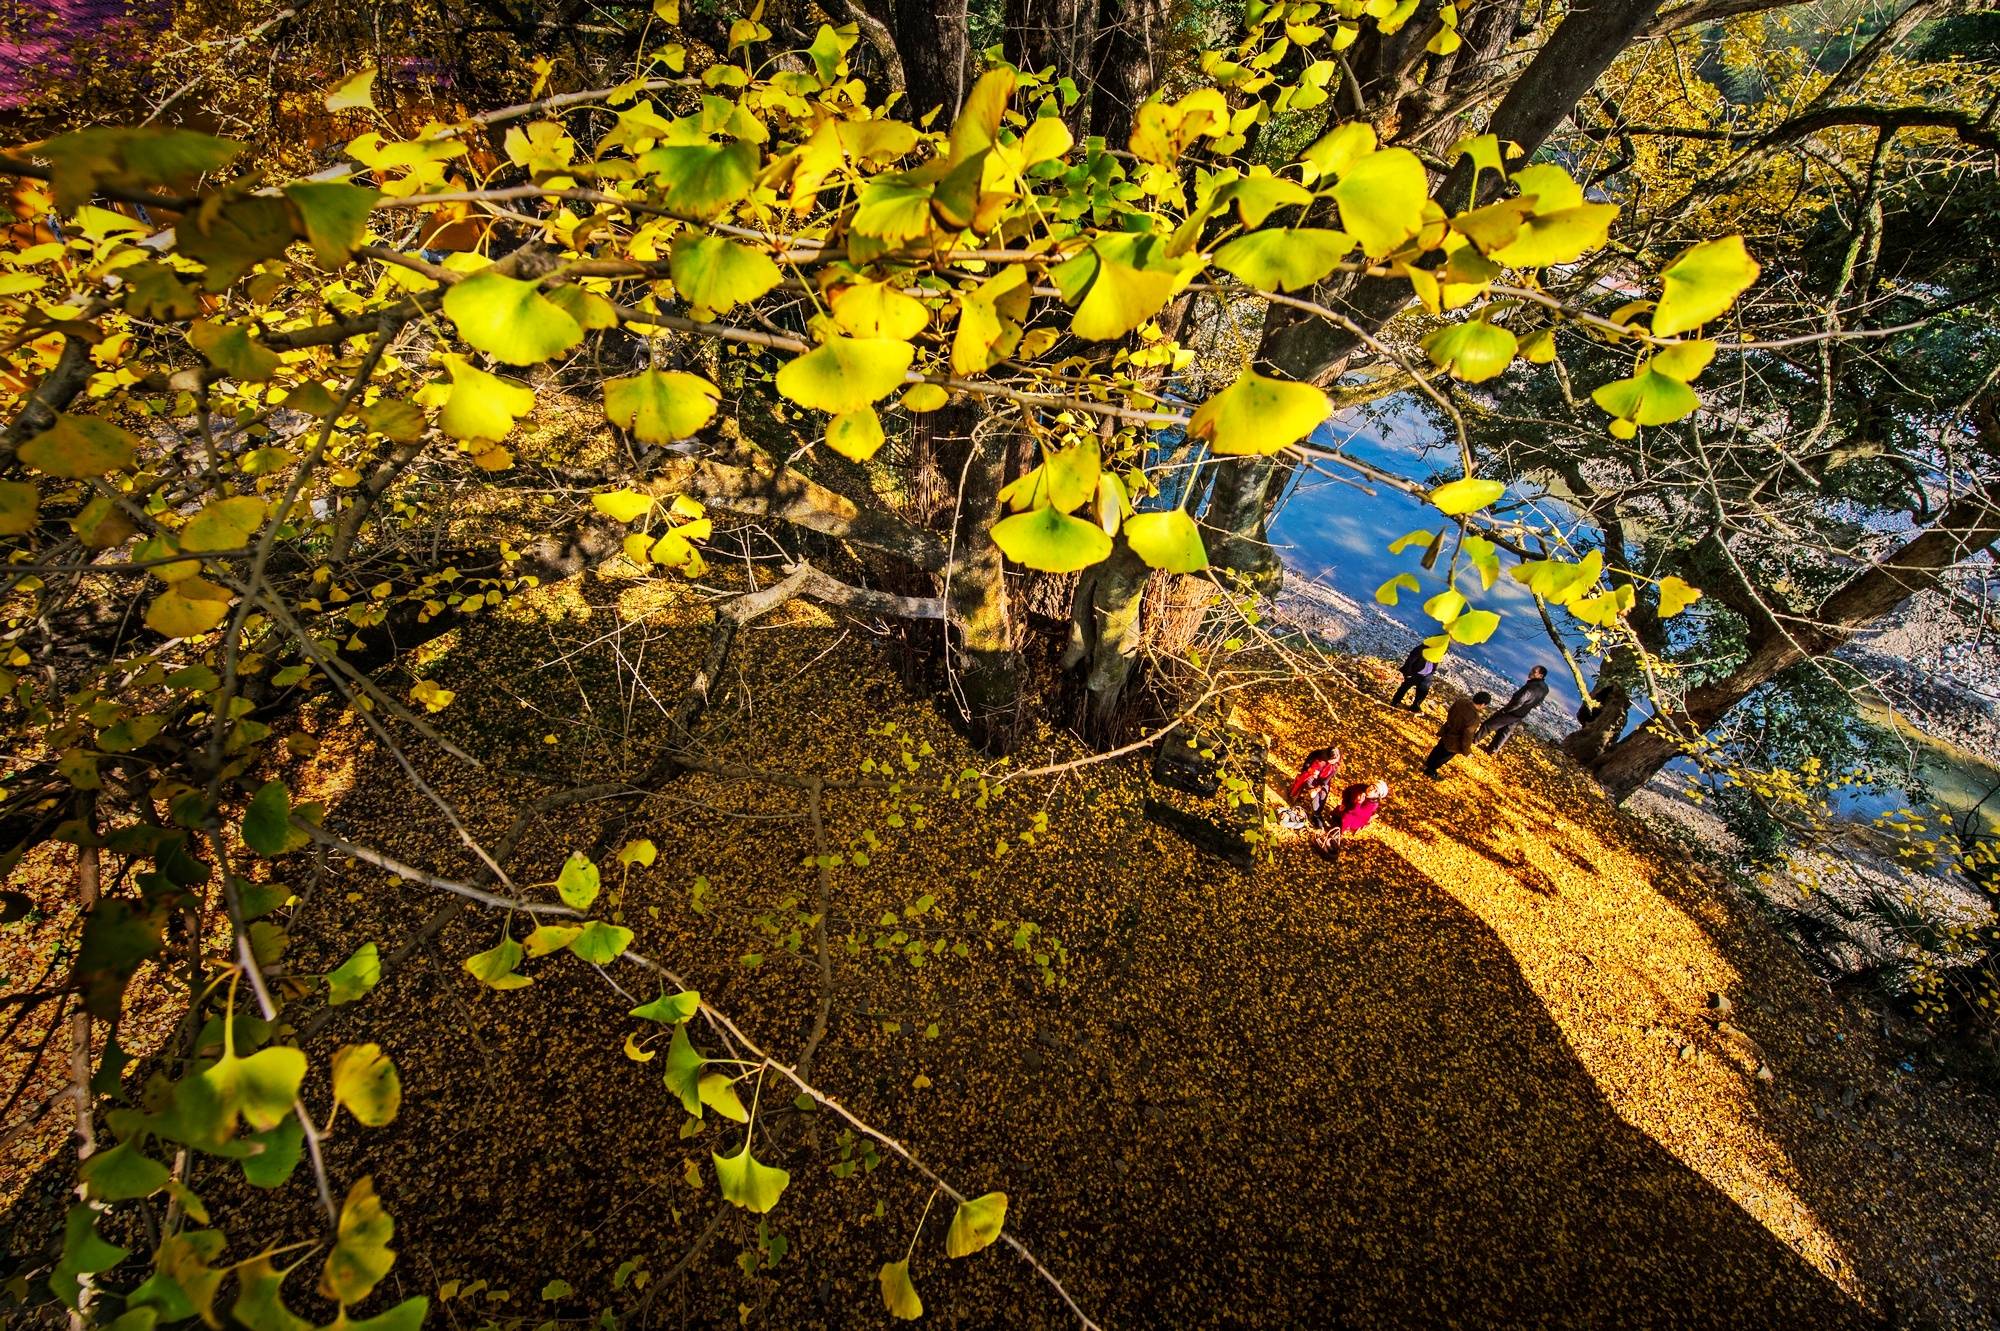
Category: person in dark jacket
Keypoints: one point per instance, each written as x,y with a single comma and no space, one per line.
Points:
1418,672
1495,728
1461,723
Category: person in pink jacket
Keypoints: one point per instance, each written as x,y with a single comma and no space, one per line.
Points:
1359,803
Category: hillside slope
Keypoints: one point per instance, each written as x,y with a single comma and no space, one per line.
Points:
1469,1075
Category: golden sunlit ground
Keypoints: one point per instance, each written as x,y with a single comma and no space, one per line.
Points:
1468,1075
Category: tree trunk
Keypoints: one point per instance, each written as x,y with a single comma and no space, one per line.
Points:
1043,34
931,36
1969,525
985,667
1125,64
1105,631
1612,697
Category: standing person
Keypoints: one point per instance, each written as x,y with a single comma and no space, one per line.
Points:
1495,728
1461,723
1418,671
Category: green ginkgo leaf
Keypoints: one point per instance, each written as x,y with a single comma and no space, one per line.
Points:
1381,197
1474,627
1468,494
1257,196
84,1252
135,158
714,274
334,216
682,1070
231,349
276,1154
855,435
1647,398
600,944
1051,541
354,977
481,407
899,1293
893,208
495,966
671,1009
976,1224
578,883
122,1174
406,1316
225,524
746,1183
260,1303
1703,282
1390,592
1284,260
366,1084
1167,540
845,374
510,320
78,448
1473,351
267,821
19,503
702,179
1257,415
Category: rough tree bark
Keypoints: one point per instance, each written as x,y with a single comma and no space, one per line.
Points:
985,667
1125,63
932,37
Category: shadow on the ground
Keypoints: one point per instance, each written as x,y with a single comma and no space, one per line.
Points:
1310,1097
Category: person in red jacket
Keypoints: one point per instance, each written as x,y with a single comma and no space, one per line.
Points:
1314,782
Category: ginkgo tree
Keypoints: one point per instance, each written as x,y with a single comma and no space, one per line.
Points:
771,294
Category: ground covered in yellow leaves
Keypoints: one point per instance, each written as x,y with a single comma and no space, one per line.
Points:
1507,1062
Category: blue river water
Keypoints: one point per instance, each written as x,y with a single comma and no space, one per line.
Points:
1333,533
1330,532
